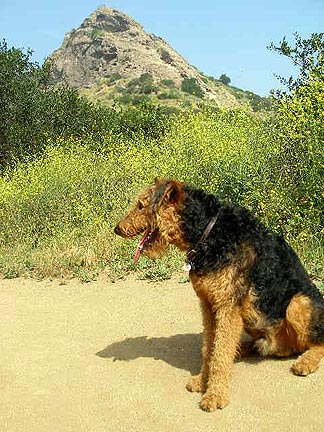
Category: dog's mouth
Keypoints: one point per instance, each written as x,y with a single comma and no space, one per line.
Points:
147,239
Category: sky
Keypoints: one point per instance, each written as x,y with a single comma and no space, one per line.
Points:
216,36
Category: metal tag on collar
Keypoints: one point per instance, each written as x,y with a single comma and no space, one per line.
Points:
187,266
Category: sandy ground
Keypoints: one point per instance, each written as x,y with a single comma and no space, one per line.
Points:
104,357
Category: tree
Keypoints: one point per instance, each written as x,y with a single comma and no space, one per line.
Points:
307,55
225,79
300,124
19,79
32,111
34,114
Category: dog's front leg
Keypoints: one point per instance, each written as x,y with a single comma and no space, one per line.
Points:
198,383
229,327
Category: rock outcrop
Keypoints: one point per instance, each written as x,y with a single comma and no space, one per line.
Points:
109,45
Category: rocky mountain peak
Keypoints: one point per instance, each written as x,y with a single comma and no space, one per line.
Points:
109,20
110,46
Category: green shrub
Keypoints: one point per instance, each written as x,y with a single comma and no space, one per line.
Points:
33,113
97,34
190,85
114,77
60,201
224,79
125,98
57,213
172,94
167,83
141,85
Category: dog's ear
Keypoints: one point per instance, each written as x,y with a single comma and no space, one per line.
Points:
159,181
171,192
167,192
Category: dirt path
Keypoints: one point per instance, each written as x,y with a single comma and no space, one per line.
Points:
104,357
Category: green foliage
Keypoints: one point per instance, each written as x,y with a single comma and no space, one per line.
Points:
141,85
259,103
190,85
225,79
213,79
125,98
140,100
167,83
299,162
19,79
114,77
144,120
59,211
33,113
307,55
300,125
97,34
172,94
58,205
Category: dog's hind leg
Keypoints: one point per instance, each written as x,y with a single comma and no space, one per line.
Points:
306,320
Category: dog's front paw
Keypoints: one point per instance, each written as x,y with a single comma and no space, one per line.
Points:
213,400
196,384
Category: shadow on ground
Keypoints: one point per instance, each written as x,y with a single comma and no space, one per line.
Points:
182,351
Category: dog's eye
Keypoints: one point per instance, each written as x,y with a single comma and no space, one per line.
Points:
140,205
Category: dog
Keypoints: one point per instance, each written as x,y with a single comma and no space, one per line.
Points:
247,279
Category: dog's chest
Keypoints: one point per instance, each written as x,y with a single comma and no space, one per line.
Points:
216,288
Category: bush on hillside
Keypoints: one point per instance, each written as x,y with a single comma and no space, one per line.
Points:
141,85
224,79
190,86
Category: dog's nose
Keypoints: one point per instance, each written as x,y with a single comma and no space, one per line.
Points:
117,230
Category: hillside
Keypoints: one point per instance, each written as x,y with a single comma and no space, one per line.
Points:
111,58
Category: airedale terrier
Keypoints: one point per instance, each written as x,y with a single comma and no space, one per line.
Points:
246,277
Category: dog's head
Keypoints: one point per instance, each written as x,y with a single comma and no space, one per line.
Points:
155,215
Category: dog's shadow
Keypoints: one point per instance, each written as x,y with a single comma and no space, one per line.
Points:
182,351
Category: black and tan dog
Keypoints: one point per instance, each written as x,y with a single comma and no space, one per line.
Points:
246,277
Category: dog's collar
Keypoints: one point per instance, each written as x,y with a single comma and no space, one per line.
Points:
189,265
